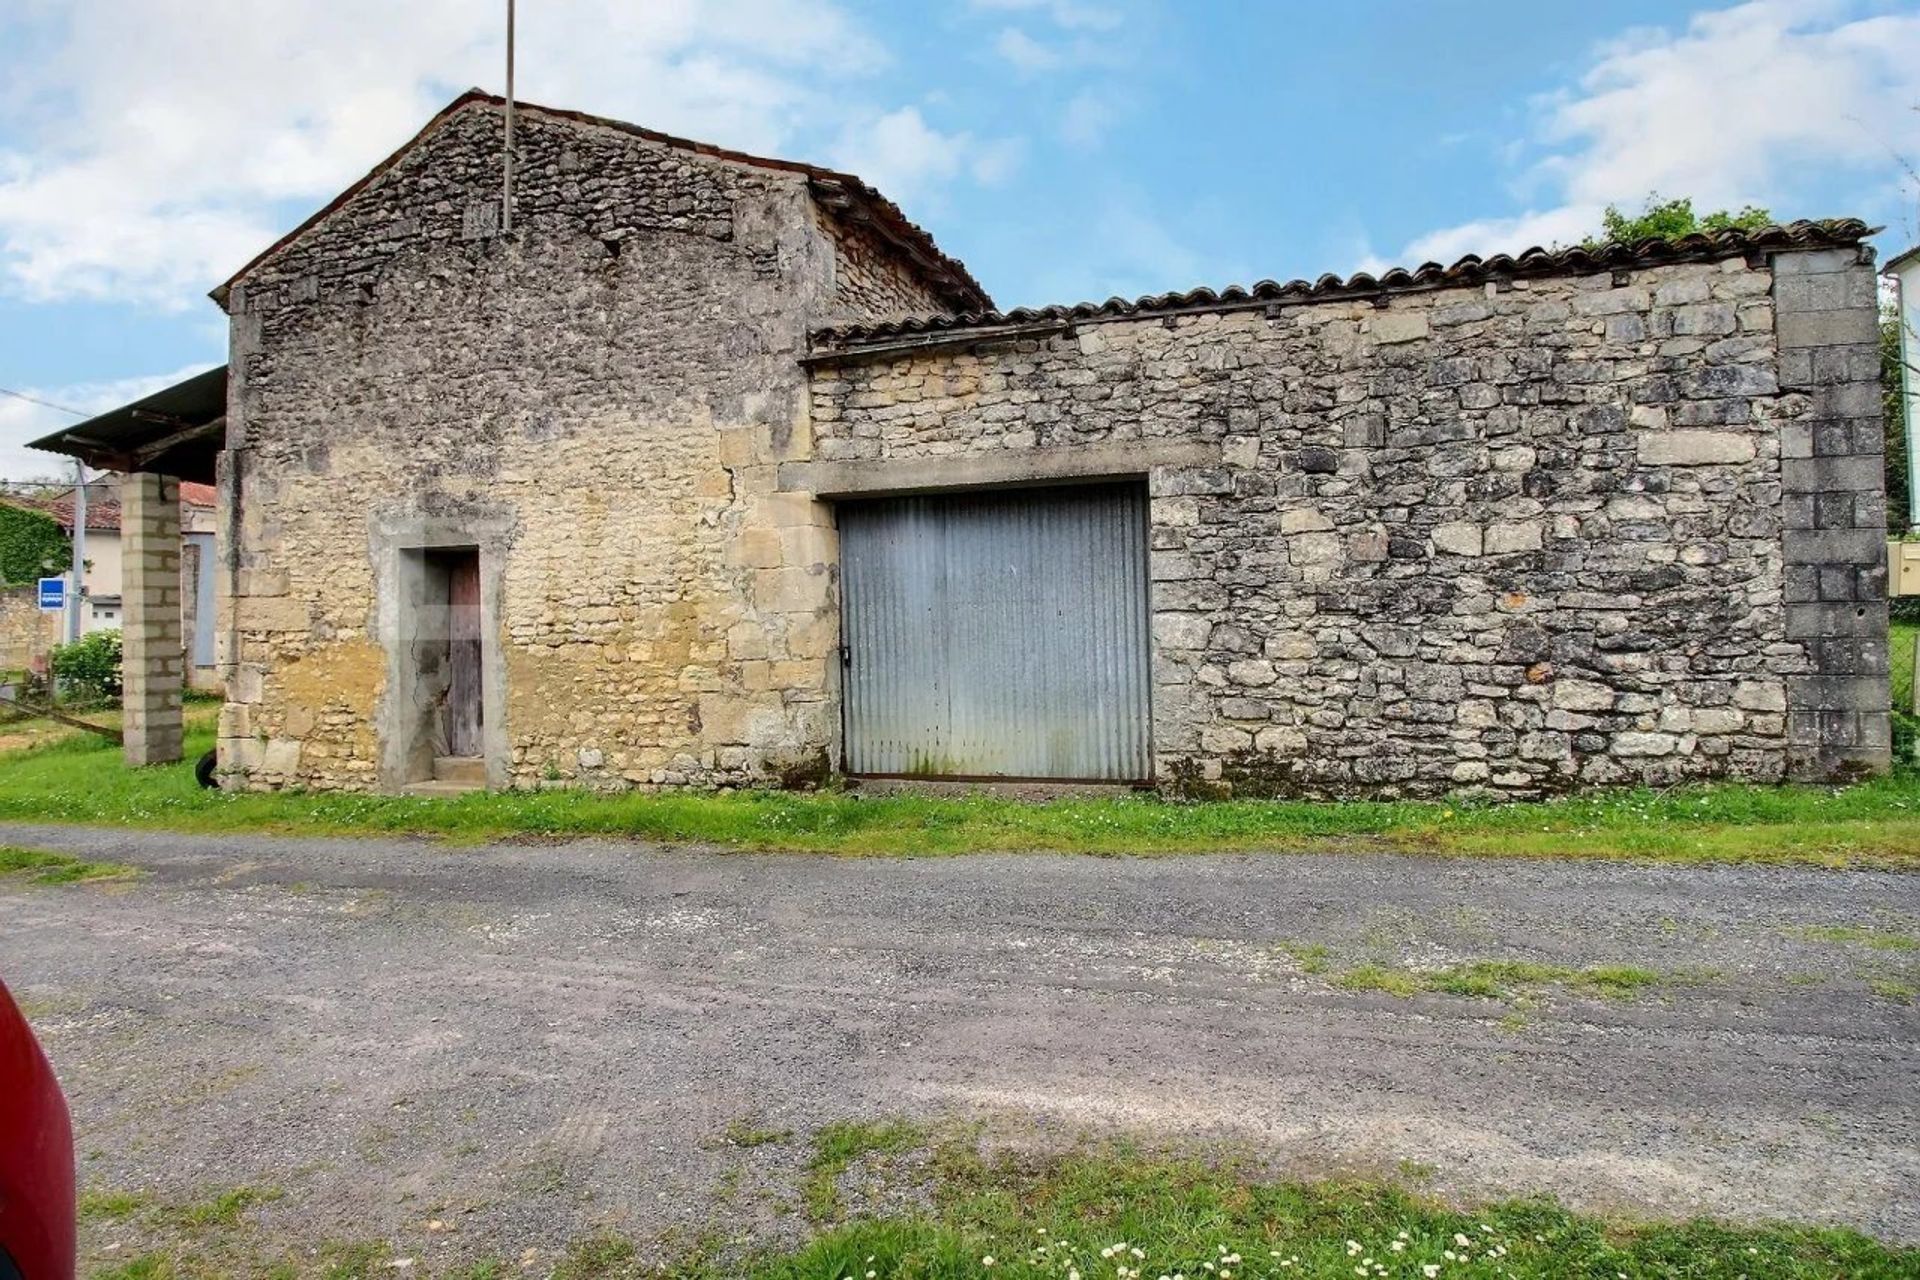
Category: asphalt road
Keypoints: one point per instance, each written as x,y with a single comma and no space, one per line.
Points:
539,1041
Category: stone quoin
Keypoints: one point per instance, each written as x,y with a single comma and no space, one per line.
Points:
1517,526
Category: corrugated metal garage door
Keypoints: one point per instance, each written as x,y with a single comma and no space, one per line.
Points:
998,635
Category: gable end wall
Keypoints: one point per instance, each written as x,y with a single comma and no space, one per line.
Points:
872,279
597,403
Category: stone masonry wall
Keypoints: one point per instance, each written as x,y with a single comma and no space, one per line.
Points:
27,634
598,402
1519,537
870,281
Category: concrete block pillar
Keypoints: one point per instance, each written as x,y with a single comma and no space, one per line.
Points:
153,647
1834,508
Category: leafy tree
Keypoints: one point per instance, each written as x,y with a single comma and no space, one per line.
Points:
1669,220
31,544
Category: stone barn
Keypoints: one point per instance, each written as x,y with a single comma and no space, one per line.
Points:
715,470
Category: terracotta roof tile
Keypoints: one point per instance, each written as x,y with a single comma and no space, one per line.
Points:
103,504
1704,246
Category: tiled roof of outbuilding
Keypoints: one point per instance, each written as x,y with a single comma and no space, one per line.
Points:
1702,246
103,503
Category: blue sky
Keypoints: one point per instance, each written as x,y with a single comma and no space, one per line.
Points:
1065,149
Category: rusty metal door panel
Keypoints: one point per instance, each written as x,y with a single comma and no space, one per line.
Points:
998,634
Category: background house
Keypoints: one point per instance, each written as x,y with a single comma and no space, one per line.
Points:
101,590
31,634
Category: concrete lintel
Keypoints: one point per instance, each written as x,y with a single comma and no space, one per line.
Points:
1005,468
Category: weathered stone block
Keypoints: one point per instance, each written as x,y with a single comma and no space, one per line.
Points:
271,613
1458,539
1303,520
1692,448
1254,672
790,590
1181,631
1825,328
1400,326
1282,740
1314,548
1582,695
1510,537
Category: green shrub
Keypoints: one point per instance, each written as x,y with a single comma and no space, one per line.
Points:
90,666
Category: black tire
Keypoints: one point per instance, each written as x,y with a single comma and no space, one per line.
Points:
203,769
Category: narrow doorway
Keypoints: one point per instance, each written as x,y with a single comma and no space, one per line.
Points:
454,576
435,729
462,711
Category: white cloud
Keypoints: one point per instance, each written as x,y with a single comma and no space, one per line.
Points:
1567,224
22,420
905,157
147,150
996,160
1074,15
1024,52
1088,117
1751,104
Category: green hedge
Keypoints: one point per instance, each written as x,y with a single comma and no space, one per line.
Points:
31,545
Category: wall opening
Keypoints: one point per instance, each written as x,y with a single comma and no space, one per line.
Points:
442,718
998,634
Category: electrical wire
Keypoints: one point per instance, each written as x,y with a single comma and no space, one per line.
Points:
44,404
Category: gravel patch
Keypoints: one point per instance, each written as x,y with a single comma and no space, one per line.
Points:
526,1043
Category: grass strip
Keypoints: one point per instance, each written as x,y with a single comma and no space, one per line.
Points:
1111,1212
1874,824
45,866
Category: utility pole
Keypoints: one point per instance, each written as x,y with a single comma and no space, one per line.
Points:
77,589
506,196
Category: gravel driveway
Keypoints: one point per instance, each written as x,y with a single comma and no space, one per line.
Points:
546,1040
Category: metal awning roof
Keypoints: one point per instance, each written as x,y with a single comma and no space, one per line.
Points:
176,431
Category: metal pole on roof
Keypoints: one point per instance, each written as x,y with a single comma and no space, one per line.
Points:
79,540
506,197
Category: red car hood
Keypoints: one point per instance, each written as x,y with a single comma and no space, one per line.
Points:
36,1157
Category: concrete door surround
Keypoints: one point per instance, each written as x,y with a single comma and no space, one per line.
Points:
410,619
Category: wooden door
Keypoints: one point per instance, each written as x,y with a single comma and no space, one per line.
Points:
463,655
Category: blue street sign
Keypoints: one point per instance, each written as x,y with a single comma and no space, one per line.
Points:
53,594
